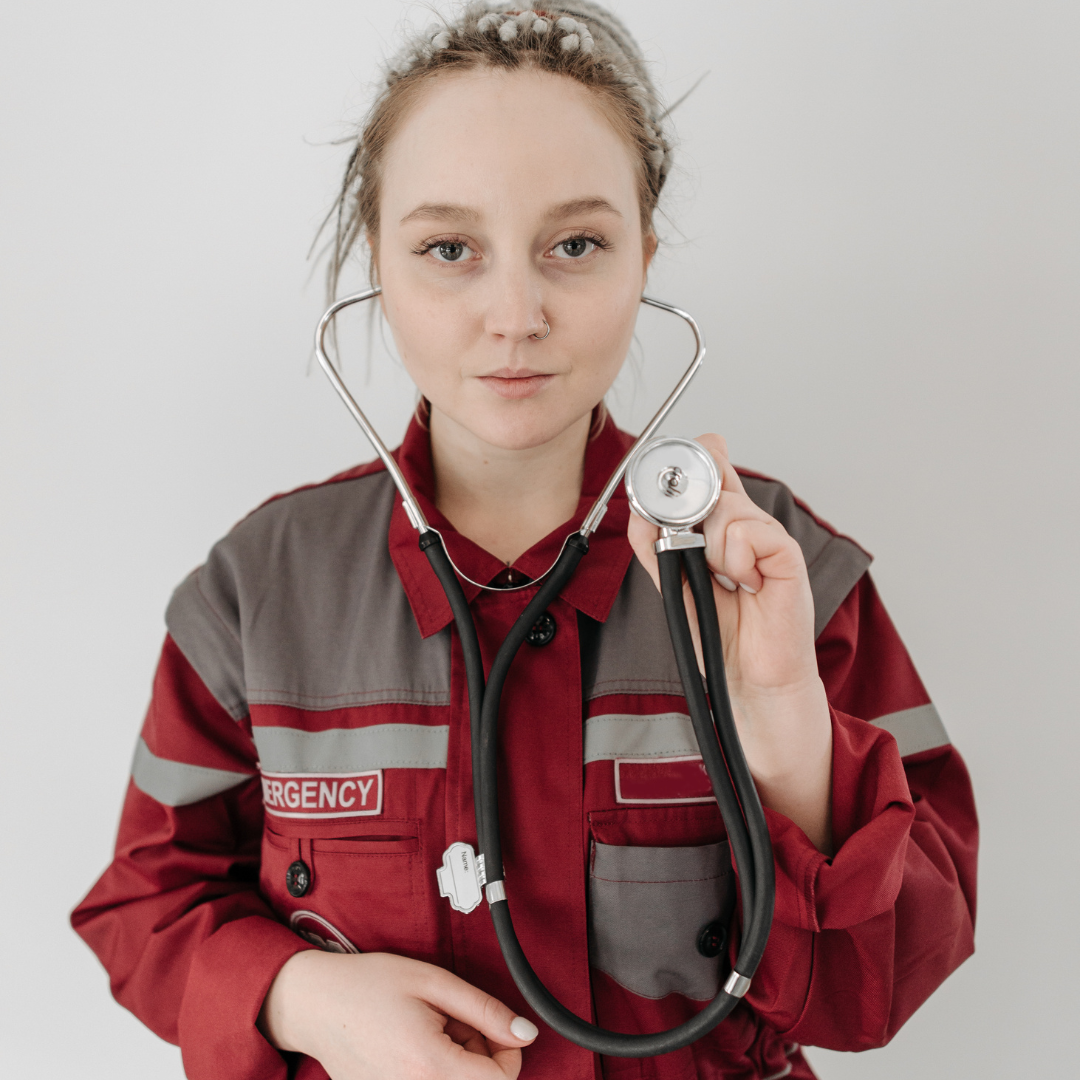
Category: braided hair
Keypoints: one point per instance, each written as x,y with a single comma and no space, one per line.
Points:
578,39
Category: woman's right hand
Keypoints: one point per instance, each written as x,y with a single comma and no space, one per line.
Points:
376,1016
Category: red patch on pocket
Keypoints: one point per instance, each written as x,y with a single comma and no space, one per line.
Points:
662,780
313,795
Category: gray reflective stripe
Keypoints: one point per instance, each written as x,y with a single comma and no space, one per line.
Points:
617,735
915,729
341,750
174,783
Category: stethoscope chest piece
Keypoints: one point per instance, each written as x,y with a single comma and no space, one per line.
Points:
673,482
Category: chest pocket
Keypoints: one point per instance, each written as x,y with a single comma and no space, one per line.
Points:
660,915
363,876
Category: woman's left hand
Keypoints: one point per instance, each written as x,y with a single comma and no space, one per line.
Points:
766,613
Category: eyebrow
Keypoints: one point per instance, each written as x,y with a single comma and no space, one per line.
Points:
590,205
442,212
455,212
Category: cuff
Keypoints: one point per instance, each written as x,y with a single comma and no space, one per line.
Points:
230,975
872,811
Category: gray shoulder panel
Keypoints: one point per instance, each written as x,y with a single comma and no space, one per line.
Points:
833,562
633,649
301,605
203,620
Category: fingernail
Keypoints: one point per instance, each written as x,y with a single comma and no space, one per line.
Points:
726,582
746,588
523,1029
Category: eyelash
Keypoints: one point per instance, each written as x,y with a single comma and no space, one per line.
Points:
592,237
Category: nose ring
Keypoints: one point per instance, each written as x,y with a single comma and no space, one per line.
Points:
540,337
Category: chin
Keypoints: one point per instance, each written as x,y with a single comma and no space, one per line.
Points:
521,429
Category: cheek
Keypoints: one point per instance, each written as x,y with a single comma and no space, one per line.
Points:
601,336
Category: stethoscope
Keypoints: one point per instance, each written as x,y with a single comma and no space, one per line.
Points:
672,483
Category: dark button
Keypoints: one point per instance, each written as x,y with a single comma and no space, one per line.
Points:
712,939
543,630
298,878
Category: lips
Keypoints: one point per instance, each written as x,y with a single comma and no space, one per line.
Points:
514,384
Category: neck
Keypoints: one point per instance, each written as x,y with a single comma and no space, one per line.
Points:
506,500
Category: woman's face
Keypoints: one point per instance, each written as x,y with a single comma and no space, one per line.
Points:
508,199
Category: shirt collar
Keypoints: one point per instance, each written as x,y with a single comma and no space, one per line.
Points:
595,584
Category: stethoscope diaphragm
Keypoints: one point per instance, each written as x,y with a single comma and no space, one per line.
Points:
673,482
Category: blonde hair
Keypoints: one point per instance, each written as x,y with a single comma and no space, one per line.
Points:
579,40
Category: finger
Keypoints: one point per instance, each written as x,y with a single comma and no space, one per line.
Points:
733,506
467,1036
642,535
717,447
756,551
470,1005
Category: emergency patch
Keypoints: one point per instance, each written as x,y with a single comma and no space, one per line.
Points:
662,780
318,931
328,795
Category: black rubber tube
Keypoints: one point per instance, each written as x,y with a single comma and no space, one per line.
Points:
713,758
484,721
431,546
712,649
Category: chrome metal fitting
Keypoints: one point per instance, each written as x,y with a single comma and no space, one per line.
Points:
737,984
496,891
673,482
678,540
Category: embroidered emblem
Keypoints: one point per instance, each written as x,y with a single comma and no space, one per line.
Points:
315,795
662,780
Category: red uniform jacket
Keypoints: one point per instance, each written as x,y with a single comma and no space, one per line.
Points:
310,705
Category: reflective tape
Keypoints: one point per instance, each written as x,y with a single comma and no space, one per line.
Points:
174,783
915,730
349,750
619,735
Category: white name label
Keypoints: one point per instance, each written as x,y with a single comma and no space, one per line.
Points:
459,878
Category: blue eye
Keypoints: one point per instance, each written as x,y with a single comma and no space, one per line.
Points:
577,247
451,251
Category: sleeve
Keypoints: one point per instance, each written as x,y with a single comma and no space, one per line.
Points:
177,919
862,939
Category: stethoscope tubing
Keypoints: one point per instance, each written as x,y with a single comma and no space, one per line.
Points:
722,756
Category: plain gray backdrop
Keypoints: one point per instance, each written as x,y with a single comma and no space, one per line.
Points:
874,217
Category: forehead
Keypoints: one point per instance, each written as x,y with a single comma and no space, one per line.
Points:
495,139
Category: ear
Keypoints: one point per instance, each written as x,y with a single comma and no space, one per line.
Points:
649,244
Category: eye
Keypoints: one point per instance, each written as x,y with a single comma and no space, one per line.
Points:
451,251
577,247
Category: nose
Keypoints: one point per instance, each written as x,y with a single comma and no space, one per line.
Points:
515,305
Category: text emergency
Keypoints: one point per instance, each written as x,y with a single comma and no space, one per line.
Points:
314,795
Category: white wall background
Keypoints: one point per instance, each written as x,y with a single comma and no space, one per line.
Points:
875,220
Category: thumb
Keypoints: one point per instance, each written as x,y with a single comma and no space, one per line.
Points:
467,1003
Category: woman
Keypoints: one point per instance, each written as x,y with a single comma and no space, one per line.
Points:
273,905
